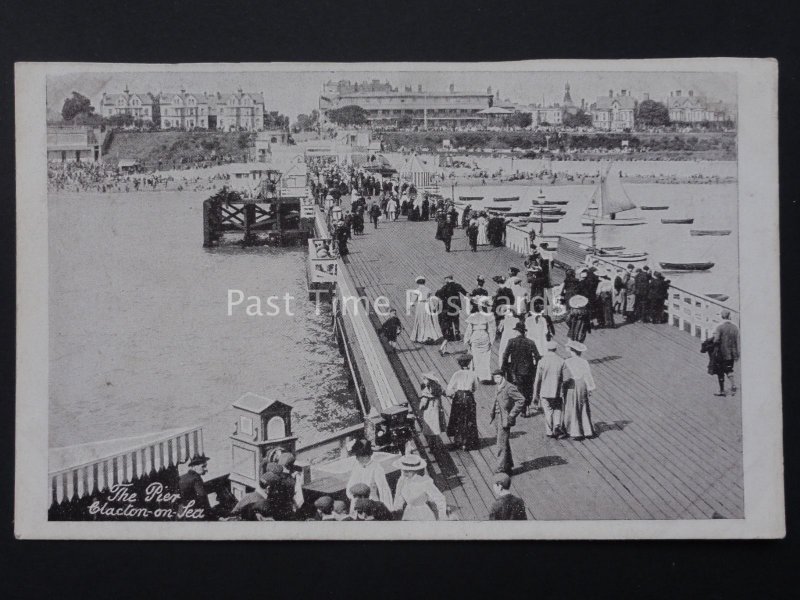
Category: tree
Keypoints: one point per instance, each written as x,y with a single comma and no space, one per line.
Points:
652,114
274,120
348,115
78,104
307,122
580,119
117,121
520,120
405,122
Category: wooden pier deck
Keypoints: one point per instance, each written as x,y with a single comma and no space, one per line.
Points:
666,448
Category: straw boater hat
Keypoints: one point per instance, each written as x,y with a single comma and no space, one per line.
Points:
552,345
419,279
578,301
464,360
410,462
577,346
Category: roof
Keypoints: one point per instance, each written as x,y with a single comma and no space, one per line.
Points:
495,110
111,99
685,102
166,97
255,96
256,404
624,102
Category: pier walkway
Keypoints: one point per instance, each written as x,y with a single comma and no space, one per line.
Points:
666,448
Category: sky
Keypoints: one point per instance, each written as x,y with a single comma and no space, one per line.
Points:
292,93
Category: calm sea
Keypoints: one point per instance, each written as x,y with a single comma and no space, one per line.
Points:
140,337
712,206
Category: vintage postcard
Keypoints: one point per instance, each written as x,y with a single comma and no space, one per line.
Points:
277,301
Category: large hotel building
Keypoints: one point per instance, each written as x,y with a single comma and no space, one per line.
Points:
386,105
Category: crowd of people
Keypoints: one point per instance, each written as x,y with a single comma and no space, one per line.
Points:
104,177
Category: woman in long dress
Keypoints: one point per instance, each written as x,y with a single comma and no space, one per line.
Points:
462,427
479,336
368,471
416,494
519,290
510,319
430,404
577,388
426,328
483,224
579,319
605,298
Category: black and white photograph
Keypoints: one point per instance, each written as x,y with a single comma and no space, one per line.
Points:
258,297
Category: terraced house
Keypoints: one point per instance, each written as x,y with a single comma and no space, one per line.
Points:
137,105
695,109
238,111
182,110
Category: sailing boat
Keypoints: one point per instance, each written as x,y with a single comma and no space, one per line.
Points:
542,200
608,199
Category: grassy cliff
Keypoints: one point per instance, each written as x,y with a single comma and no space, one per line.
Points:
174,148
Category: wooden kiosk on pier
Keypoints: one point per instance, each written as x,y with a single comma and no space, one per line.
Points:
262,208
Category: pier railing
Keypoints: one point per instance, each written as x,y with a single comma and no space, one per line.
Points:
693,313
89,469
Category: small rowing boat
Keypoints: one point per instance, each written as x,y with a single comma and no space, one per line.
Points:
470,198
517,213
506,199
542,200
718,297
651,207
548,210
710,231
631,258
500,208
686,266
611,248
542,218
677,221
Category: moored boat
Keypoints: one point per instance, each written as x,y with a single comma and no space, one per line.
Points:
710,231
718,297
542,218
677,221
608,199
501,208
548,210
686,266
651,207
470,198
516,213
506,199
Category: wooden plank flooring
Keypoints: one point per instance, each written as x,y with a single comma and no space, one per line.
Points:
666,448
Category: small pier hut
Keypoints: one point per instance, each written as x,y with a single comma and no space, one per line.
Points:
416,172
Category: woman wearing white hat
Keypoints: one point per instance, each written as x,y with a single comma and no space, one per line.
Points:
579,319
510,319
577,387
416,494
426,324
479,336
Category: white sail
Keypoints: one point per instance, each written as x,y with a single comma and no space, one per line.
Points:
614,197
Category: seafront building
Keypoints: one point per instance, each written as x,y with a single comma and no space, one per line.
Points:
73,143
614,112
238,111
553,114
695,109
137,105
184,110
386,105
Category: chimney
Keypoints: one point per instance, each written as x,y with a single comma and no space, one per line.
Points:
452,87
183,89
489,90
622,93
691,93
670,94
610,93
583,104
646,96
419,88
678,93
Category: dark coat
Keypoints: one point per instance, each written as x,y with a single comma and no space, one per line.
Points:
641,284
727,339
508,508
450,295
191,488
520,357
508,403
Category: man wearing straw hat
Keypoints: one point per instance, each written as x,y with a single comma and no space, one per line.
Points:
519,364
547,390
508,403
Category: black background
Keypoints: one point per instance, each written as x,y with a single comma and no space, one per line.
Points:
191,31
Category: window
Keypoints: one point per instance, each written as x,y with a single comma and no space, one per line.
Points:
276,428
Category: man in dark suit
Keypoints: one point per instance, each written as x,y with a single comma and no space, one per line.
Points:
191,486
507,507
446,232
518,364
450,296
508,403
502,296
641,288
476,293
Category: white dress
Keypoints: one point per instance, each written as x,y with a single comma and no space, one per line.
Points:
508,323
479,336
520,293
430,413
536,330
483,240
415,494
426,323
373,475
